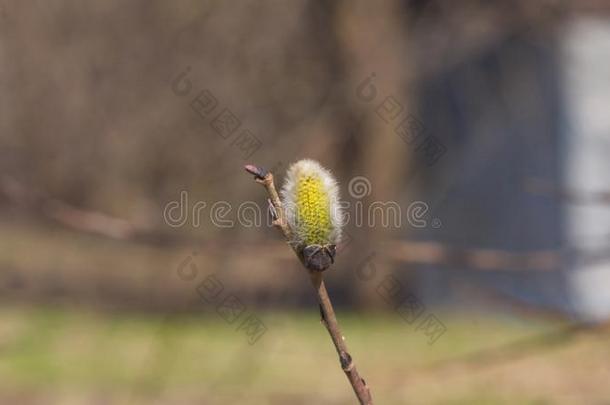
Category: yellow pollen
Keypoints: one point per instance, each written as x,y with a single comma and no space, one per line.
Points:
313,211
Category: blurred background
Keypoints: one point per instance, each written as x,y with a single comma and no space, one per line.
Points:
137,263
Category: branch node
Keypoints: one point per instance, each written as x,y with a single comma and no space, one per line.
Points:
346,361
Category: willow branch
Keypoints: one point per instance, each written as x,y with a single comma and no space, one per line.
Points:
327,312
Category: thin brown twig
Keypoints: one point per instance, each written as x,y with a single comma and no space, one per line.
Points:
327,312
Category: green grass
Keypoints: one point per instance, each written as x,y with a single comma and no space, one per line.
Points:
67,355
72,355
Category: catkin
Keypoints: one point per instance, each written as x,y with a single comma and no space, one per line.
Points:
310,196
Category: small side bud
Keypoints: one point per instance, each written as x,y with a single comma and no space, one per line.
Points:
258,172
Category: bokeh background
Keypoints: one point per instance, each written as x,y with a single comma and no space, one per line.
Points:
128,271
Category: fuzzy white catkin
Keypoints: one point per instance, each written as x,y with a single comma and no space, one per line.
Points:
310,196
